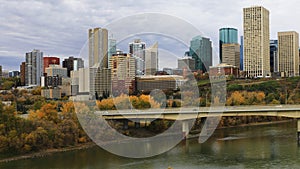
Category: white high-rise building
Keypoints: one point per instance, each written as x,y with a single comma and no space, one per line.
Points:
256,42
137,49
288,51
34,67
151,60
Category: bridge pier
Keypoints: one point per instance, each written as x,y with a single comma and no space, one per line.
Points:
125,124
185,128
137,124
298,131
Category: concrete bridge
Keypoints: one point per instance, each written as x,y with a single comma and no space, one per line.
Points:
185,114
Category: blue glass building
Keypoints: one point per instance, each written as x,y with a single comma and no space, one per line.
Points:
201,51
227,36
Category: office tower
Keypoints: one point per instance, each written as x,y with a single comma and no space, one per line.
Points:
227,36
56,70
256,42
72,63
112,47
186,63
151,60
137,49
242,53
274,62
98,56
122,73
231,54
201,51
14,73
50,61
22,73
288,50
34,67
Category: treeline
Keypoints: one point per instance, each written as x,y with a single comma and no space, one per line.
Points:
53,126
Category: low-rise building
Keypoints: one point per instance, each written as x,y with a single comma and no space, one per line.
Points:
224,69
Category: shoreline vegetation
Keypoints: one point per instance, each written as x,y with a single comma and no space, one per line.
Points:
88,145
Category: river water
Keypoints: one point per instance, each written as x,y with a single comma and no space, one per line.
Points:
267,146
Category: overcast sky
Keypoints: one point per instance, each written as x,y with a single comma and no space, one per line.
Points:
59,28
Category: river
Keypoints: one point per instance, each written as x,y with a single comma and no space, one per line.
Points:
266,146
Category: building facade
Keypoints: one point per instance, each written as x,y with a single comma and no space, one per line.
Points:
72,63
50,61
274,61
288,51
22,73
201,51
112,47
34,67
224,69
151,60
227,36
54,70
256,42
231,54
137,49
242,53
186,63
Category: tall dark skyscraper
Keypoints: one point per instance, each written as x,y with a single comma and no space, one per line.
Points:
72,64
274,56
227,36
201,51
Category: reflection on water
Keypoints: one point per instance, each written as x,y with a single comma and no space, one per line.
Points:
269,146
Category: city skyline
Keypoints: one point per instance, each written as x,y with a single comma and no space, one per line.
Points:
77,17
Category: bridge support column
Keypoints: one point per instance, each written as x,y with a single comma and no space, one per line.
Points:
137,124
298,132
125,124
185,128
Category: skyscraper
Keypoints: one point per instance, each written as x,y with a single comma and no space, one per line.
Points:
112,47
256,42
22,73
137,49
242,53
151,60
0,74
186,63
72,63
34,67
274,62
98,57
288,50
201,51
50,61
231,54
227,36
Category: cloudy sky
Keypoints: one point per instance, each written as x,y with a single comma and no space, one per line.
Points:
59,27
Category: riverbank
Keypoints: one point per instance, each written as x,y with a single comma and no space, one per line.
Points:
47,152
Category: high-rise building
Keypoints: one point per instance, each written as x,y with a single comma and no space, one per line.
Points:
22,73
151,60
288,50
201,51
231,54
98,47
256,42
72,63
186,63
13,73
0,74
112,47
137,49
50,61
227,36
122,73
54,70
98,56
274,62
34,67
242,53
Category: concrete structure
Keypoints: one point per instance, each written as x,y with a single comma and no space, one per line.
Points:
151,59
50,61
123,71
51,81
22,73
227,36
34,67
201,51
242,53
231,54
164,82
186,63
74,82
66,87
137,49
84,80
288,51
98,47
103,83
72,63
51,93
256,42
224,69
54,70
274,60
